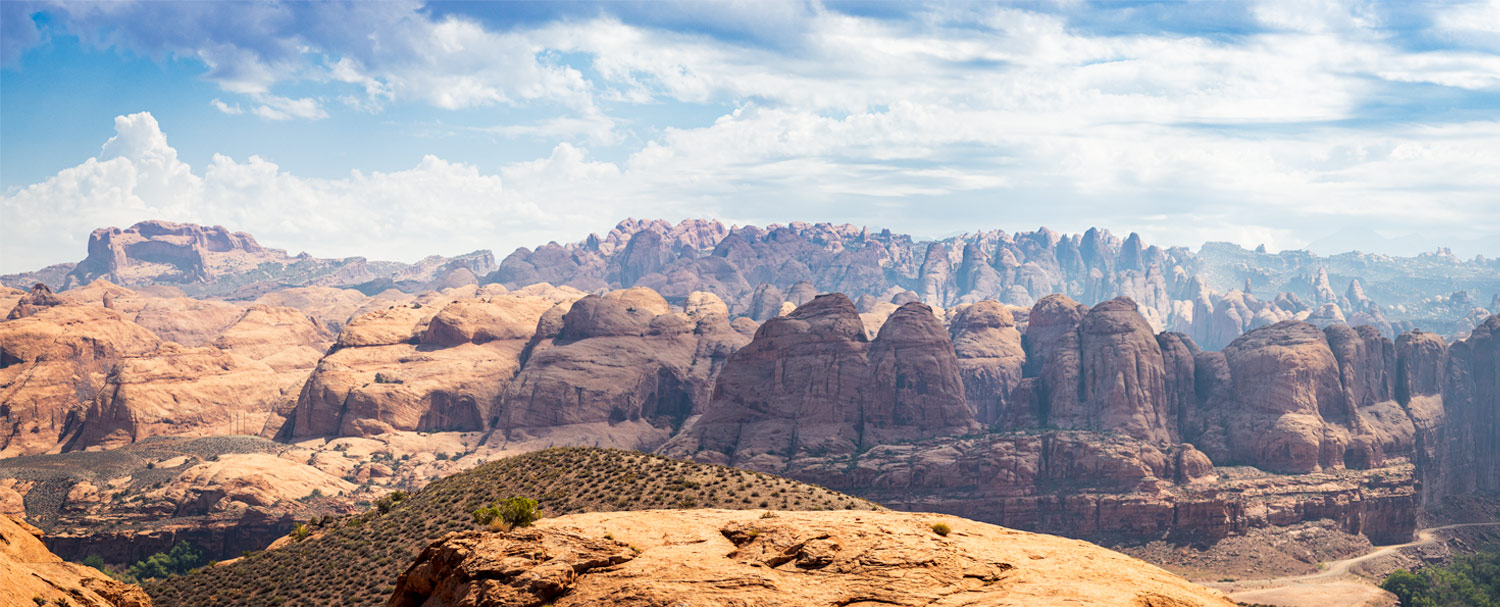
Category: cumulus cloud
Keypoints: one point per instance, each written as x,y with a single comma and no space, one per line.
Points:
1309,118
436,206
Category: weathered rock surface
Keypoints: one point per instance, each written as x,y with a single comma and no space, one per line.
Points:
212,260
38,298
31,575
1207,295
433,367
187,321
181,391
991,360
1285,385
622,370
1469,453
720,557
811,382
52,364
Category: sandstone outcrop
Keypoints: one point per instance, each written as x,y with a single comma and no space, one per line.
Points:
721,557
180,391
622,369
30,575
991,360
1469,452
52,364
214,261
1285,384
40,297
810,382
241,480
332,307
433,367
187,321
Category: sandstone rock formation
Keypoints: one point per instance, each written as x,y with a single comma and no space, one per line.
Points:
433,367
54,362
30,575
622,369
203,260
1470,441
40,297
1285,384
187,321
811,382
1110,416
991,359
722,558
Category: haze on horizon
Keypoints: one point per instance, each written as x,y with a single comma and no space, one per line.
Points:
397,130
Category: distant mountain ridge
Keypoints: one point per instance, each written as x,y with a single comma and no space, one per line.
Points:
1213,295
1210,295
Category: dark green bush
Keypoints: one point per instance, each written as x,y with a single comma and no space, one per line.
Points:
1471,581
177,561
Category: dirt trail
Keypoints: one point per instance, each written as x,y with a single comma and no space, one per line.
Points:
1334,586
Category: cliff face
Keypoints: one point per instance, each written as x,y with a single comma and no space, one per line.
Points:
1060,416
1114,420
811,383
1469,449
622,369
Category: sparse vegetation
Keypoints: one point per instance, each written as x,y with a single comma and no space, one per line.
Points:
356,563
941,529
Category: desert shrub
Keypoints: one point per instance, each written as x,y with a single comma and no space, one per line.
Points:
513,512
941,529
300,532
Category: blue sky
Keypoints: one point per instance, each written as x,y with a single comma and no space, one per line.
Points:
401,129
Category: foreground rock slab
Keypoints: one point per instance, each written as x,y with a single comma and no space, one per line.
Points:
722,557
30,575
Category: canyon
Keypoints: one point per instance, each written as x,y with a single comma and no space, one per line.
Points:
1076,414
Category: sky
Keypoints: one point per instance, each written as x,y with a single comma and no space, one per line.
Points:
396,129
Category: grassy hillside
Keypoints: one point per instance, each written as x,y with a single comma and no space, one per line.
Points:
354,561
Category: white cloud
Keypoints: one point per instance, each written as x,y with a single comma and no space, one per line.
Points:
436,206
960,117
232,110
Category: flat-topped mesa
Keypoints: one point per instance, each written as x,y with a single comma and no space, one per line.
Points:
810,383
162,250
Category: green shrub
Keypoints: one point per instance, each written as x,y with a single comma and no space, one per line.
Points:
177,561
1470,581
941,529
513,512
